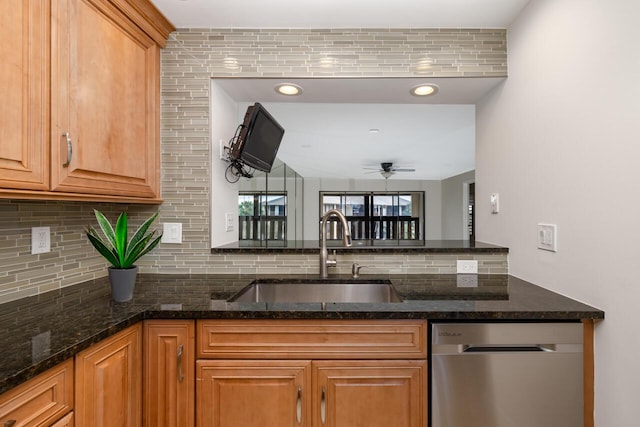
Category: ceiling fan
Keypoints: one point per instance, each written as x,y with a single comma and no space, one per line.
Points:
386,169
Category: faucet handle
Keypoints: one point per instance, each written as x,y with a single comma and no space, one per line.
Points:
332,262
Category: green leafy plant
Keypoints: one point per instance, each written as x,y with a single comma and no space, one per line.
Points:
115,246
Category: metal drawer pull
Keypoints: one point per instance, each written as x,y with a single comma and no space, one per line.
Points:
323,406
69,149
299,406
180,375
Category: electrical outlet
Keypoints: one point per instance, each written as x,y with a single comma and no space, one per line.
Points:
171,232
223,150
467,267
40,240
228,220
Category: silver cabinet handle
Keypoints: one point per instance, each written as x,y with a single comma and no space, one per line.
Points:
180,375
323,406
9,423
69,149
299,406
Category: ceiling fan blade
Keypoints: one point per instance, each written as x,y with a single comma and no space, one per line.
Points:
403,170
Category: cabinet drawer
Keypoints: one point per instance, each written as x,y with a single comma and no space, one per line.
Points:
41,400
317,339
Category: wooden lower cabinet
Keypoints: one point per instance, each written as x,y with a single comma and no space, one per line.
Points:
253,393
41,401
296,393
66,421
372,393
108,383
311,373
169,377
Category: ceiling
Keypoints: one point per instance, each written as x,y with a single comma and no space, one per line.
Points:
328,129
430,143
340,13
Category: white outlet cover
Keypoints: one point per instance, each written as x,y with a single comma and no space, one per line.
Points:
40,240
228,220
467,266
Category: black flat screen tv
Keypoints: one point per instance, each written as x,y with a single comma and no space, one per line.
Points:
259,139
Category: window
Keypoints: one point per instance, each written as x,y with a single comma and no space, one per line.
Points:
262,216
377,217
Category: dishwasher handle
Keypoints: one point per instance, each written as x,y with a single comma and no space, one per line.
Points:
507,348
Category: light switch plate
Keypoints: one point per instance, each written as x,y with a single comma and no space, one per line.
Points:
494,200
548,237
171,232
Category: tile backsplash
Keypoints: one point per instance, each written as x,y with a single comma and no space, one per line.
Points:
191,58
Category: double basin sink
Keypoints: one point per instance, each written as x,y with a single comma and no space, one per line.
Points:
318,291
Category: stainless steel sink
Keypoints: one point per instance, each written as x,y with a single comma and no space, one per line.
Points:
379,291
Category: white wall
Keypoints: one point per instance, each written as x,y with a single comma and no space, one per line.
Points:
224,196
454,206
560,142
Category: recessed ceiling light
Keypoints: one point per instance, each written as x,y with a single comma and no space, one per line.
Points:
374,130
288,89
424,90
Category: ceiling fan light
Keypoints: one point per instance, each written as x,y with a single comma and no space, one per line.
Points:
424,90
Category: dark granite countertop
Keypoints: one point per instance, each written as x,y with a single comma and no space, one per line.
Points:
39,332
378,246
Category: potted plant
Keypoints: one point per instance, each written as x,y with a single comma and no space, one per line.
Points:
121,252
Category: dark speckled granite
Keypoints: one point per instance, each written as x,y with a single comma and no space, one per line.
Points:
39,332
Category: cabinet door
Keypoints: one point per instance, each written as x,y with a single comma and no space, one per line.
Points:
253,393
109,381
169,373
104,102
371,393
66,421
24,110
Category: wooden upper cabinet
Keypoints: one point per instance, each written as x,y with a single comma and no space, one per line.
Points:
104,102
24,111
80,117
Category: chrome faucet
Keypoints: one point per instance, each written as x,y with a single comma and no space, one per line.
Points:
346,240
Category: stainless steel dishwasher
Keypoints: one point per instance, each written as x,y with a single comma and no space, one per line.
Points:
506,375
